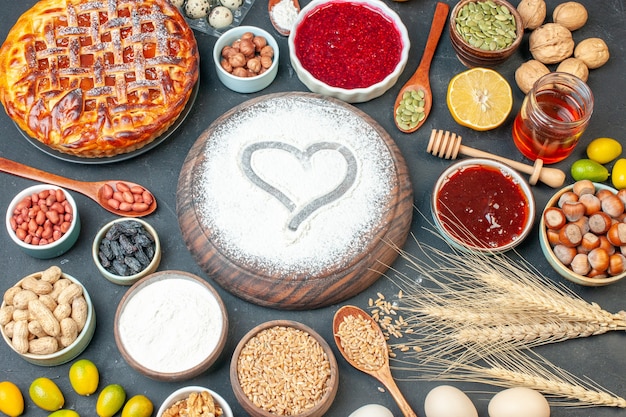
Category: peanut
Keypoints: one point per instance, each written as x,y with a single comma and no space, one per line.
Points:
20,336
8,329
69,331
62,311
6,314
79,312
59,286
126,198
10,294
21,314
43,345
48,301
35,285
40,312
34,327
22,298
68,294
51,274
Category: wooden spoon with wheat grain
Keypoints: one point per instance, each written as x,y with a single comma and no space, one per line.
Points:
351,326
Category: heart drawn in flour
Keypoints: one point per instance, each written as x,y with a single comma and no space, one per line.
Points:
304,157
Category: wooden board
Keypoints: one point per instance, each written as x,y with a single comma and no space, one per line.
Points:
295,291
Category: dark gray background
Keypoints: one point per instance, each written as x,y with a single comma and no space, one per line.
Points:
600,358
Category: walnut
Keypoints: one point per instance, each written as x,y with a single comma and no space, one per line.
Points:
593,52
575,67
571,14
529,72
551,43
533,13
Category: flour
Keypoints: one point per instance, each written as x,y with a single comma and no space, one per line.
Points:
250,225
284,14
171,325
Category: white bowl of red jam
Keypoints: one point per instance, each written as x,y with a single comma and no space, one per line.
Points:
353,50
483,205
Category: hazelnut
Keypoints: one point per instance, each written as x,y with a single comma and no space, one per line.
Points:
573,210
246,47
529,72
551,43
254,65
570,14
575,67
612,206
533,13
617,264
237,60
580,264
259,42
593,52
570,235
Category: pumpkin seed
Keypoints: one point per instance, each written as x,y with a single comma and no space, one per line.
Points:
485,25
410,110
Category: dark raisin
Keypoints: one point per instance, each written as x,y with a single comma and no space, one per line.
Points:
141,256
116,250
104,261
133,264
126,245
105,249
120,268
114,232
143,239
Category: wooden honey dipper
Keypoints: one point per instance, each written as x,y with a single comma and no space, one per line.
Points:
447,145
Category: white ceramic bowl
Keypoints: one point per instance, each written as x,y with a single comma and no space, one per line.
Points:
70,352
129,279
558,266
183,393
50,250
171,326
247,84
355,95
465,238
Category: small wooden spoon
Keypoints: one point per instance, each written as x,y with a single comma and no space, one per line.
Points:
93,190
383,374
270,5
420,79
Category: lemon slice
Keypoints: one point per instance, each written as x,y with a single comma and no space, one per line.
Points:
479,98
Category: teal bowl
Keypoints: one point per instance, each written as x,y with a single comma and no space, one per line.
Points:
53,249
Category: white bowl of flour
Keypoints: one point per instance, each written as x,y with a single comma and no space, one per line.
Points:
171,326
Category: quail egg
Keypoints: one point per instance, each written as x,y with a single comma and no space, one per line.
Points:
232,4
197,9
220,17
178,3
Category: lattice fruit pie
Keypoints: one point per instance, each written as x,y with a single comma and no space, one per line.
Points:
98,78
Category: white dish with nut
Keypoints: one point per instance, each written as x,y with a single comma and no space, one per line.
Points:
583,235
192,401
47,318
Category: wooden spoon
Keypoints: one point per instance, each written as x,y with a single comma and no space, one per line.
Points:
420,80
93,190
280,29
383,374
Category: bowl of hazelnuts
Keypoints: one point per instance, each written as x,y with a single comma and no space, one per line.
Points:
246,59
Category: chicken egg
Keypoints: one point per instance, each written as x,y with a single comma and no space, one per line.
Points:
446,401
371,410
519,402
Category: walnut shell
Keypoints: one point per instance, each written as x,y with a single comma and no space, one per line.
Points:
533,13
571,14
593,52
551,43
575,67
529,72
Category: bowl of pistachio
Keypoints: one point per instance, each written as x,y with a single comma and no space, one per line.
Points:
485,33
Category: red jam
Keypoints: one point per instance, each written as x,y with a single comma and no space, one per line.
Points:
482,207
348,45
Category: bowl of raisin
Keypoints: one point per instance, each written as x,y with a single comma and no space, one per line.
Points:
125,250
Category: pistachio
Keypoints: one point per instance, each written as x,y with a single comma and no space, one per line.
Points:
593,52
551,43
571,15
529,72
574,66
533,13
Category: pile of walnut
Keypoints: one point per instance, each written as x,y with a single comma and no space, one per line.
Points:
248,56
552,43
198,404
43,313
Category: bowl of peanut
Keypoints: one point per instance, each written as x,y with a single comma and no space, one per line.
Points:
43,221
246,59
47,318
300,374
192,401
583,235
